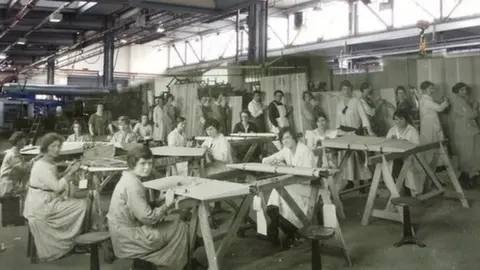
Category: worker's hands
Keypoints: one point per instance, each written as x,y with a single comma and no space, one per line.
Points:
170,200
73,167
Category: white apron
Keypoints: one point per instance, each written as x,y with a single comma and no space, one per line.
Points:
282,120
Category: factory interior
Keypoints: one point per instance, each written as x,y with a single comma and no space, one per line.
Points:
239,134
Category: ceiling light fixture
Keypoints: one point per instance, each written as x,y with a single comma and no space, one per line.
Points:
160,29
55,17
22,41
3,56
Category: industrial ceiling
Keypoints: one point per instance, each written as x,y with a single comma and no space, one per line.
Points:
34,30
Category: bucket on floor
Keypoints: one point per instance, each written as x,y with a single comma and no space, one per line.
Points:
11,211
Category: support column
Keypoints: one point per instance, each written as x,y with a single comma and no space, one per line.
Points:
257,31
51,71
108,60
353,18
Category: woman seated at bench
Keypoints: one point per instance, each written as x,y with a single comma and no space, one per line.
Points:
294,153
139,231
403,130
178,138
124,134
14,170
143,129
219,150
53,219
77,135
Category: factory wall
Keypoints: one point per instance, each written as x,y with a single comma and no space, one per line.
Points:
395,72
130,60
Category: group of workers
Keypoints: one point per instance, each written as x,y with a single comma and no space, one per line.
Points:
138,228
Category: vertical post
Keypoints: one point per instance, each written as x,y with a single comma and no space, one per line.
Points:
257,32
237,37
353,18
51,70
108,60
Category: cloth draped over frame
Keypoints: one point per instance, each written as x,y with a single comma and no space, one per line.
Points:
140,231
53,219
302,157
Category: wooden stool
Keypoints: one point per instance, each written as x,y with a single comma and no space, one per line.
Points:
316,234
93,240
408,237
139,264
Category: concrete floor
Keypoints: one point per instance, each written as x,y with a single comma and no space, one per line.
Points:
450,232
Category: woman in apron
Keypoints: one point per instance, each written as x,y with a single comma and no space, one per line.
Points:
277,113
294,153
351,116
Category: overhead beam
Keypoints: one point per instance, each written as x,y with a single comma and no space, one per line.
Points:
11,4
88,5
159,6
408,32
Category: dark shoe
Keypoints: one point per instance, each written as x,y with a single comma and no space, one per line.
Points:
465,180
349,185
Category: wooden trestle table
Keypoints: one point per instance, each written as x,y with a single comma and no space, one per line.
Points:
386,151
294,175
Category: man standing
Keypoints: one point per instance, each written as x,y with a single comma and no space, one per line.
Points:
159,132
100,124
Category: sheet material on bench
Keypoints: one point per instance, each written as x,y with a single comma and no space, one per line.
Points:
299,171
68,148
103,165
366,143
198,188
168,151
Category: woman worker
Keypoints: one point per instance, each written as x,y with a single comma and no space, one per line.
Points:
139,231
53,219
351,116
143,129
294,153
77,135
14,170
124,134
403,130
178,138
315,137
466,139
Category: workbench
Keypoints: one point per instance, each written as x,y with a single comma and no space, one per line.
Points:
289,175
253,140
196,194
386,151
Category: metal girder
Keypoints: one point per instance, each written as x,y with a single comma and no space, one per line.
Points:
341,43
88,5
299,7
159,6
29,51
11,4
453,9
424,9
52,39
379,18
